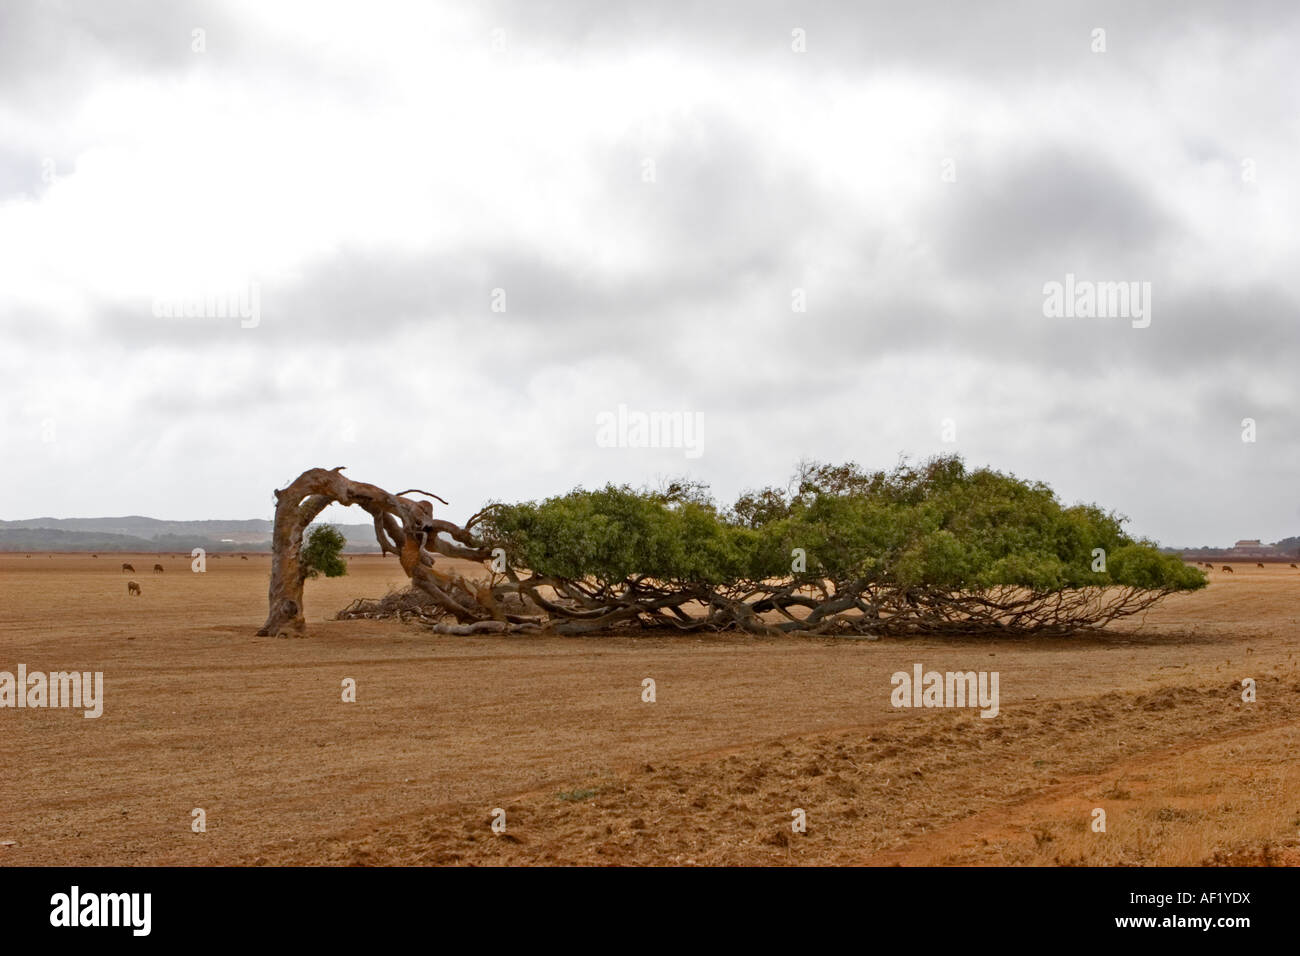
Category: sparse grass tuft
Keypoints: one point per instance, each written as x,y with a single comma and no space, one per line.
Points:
577,795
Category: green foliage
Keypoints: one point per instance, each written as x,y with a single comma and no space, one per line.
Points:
935,525
756,508
323,552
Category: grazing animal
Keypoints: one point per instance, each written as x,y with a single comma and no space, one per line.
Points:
126,568
94,555
1293,565
157,569
1259,565
132,588
1228,569
243,557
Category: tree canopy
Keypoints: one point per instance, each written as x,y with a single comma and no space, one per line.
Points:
938,525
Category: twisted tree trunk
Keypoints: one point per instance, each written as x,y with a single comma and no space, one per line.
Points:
403,526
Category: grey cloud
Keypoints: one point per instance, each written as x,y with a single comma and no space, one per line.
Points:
1011,38
49,51
1056,210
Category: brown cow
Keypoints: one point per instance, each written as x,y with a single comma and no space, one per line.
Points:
157,569
243,557
132,588
126,568
1259,565
1293,565
1228,569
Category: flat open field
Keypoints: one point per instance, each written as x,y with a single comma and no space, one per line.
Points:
1146,723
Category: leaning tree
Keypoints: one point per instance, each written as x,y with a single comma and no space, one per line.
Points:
404,526
934,548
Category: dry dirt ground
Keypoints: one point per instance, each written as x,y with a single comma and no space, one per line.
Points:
1146,723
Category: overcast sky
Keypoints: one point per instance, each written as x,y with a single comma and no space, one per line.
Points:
649,188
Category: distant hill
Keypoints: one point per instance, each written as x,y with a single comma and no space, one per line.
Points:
55,539
257,529
137,533
1289,545
1288,549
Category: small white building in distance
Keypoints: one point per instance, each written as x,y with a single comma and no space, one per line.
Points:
1253,548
